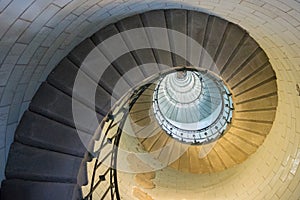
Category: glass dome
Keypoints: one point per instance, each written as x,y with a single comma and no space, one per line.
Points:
192,106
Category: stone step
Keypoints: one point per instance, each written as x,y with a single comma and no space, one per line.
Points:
149,142
224,155
263,102
203,163
161,142
241,55
110,75
136,108
63,77
231,41
125,62
266,115
196,27
214,34
17,189
142,56
177,20
184,162
246,146
255,65
30,163
233,151
145,98
157,19
195,165
265,88
216,161
38,131
165,152
262,128
148,129
263,76
54,104
82,177
80,52
253,138
137,117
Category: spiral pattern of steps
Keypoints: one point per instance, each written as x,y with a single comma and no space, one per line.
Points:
233,148
47,158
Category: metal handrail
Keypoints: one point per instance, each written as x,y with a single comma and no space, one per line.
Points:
113,186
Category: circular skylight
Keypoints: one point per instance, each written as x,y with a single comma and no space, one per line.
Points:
192,106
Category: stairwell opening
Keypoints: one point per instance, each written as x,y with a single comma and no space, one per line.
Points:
192,106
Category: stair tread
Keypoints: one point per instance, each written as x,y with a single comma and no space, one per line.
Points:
214,35
161,142
64,76
20,189
259,61
226,158
236,154
125,60
215,161
246,146
261,103
36,164
156,18
39,131
54,104
246,135
184,164
142,56
177,20
261,90
265,115
261,128
150,141
231,41
80,52
194,161
196,30
247,48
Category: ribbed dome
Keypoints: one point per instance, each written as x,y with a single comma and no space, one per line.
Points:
192,106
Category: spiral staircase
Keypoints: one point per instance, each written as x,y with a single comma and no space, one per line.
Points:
48,159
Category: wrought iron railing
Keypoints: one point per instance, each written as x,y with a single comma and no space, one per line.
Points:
108,148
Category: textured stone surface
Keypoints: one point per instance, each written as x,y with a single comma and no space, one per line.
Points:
19,189
53,103
157,19
274,24
176,20
41,165
64,76
141,56
38,131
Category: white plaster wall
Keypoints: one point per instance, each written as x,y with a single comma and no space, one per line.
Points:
37,34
